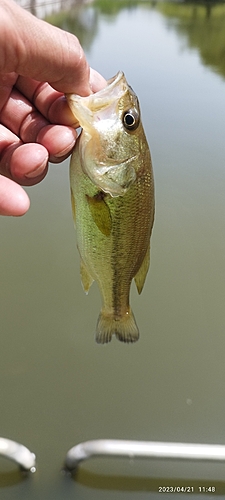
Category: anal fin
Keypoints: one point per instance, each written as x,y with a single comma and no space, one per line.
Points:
73,205
86,278
142,272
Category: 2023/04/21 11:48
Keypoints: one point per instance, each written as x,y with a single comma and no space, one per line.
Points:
187,489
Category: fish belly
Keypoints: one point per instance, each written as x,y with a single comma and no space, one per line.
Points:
113,235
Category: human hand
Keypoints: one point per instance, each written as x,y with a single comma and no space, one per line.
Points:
36,124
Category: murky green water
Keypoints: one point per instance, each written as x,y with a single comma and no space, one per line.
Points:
57,386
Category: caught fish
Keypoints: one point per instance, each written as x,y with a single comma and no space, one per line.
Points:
112,193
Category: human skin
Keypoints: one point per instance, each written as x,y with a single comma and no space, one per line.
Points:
38,64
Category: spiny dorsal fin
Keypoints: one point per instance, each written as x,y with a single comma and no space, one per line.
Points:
142,272
100,212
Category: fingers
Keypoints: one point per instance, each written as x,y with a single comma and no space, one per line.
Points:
42,52
18,114
58,140
13,199
39,53
21,119
27,163
6,84
50,103
97,81
59,58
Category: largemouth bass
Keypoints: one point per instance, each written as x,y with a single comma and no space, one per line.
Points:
112,193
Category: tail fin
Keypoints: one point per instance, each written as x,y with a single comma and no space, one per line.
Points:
124,328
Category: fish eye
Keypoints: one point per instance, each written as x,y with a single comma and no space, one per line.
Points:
131,119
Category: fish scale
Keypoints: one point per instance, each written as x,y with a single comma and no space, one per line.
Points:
112,192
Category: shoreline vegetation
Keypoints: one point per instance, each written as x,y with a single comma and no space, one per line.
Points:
199,23
45,8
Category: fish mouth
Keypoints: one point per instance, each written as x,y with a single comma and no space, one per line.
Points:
84,108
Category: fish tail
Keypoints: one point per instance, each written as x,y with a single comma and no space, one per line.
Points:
124,328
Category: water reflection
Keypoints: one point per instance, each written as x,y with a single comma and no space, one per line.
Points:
11,478
57,387
83,22
199,25
43,8
138,483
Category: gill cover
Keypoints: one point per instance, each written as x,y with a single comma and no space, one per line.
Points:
102,119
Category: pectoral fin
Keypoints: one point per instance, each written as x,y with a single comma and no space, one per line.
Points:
100,213
86,278
142,273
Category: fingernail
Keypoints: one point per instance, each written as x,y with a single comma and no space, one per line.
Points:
65,151
38,171
97,82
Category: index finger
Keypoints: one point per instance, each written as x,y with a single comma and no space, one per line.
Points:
49,102
41,51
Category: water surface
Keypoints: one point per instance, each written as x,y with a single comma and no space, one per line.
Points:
57,386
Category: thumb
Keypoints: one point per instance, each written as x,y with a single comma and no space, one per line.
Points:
31,47
13,199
